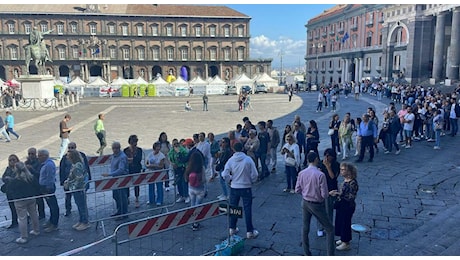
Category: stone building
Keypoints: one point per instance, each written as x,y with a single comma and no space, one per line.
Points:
130,41
413,42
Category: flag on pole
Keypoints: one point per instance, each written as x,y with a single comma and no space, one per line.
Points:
96,51
337,38
345,37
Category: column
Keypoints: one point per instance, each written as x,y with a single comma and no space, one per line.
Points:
438,60
345,70
357,79
360,68
454,55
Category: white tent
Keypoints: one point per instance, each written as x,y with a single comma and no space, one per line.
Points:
93,89
58,82
242,80
181,87
77,84
163,88
139,81
199,85
216,86
266,80
115,87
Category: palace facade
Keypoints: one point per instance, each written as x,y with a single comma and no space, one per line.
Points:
130,41
414,42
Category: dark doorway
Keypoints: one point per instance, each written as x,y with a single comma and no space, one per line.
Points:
213,71
95,71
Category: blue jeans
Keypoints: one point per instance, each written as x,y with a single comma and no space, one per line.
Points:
320,106
454,125
196,195
53,205
80,200
64,143
438,137
391,141
10,130
263,161
246,195
121,199
291,177
223,184
159,191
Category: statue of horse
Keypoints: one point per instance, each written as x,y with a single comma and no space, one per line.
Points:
38,55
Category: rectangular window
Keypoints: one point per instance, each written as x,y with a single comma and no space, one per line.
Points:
380,61
156,54
155,30
124,30
126,54
226,31
14,53
11,28
169,31
184,54
27,28
368,62
60,29
61,53
198,31
44,27
397,62
199,54
240,54
240,32
170,54
212,54
92,29
141,54
75,53
227,54
212,31
113,53
183,31
111,29
140,30
73,28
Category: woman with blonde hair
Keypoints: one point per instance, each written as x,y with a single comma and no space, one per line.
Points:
23,189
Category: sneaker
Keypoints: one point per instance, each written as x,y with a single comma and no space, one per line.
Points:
252,235
339,153
35,233
292,191
51,228
430,140
287,190
21,240
222,197
19,137
74,226
83,226
180,199
398,152
343,246
46,224
387,152
320,233
187,200
407,146
158,204
167,189
233,231
338,242
436,147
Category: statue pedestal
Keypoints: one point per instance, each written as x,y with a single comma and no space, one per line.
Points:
37,86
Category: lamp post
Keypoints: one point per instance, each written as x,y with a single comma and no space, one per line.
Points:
317,46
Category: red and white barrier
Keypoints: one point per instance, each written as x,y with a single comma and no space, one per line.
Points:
174,219
126,181
99,160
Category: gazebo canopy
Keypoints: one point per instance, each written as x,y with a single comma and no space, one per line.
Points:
98,82
77,82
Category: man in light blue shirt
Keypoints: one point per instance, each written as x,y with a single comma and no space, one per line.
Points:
118,167
367,132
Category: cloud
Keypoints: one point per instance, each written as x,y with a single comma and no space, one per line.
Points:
293,51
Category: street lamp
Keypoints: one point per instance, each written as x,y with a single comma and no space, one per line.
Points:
317,46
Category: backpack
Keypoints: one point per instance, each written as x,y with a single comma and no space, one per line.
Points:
194,179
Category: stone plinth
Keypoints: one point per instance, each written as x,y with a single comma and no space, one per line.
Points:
37,86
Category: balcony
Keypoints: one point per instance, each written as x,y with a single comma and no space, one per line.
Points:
331,32
324,34
381,20
378,68
370,23
339,69
317,36
330,69
323,70
341,30
396,69
354,27
367,69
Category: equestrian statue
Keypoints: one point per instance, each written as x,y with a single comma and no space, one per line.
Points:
36,50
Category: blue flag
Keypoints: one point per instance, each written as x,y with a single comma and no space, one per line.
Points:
96,51
345,37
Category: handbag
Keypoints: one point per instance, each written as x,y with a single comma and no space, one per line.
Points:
290,161
330,132
438,126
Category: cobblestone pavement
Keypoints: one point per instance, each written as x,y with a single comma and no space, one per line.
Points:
408,201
